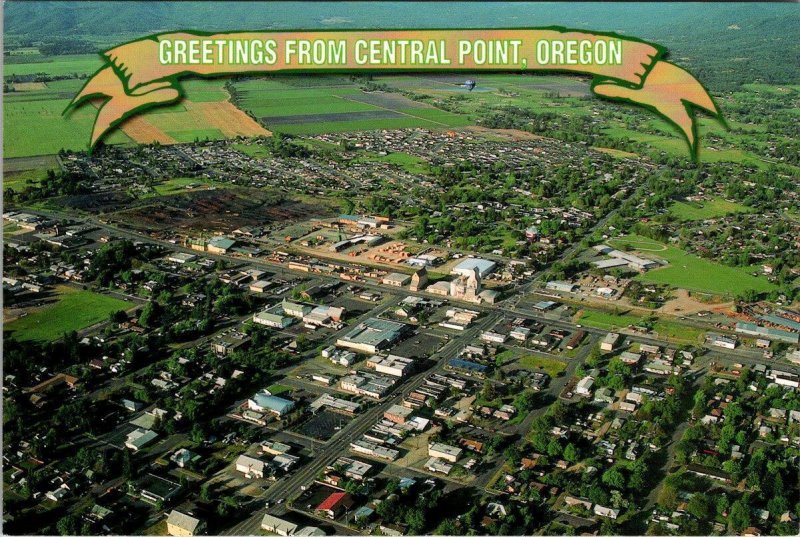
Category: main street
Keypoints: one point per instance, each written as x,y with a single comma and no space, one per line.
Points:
289,486
509,307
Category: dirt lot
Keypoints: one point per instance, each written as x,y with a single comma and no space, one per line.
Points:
359,254
684,304
508,134
218,210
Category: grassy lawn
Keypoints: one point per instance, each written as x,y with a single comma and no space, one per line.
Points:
690,272
705,210
278,389
605,321
74,310
678,331
179,185
408,162
665,328
551,366
255,151
159,528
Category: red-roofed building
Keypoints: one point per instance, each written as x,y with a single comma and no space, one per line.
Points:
334,504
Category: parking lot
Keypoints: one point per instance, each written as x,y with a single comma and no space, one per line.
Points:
323,425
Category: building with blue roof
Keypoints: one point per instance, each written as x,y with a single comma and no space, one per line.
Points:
467,367
781,321
264,402
363,513
751,329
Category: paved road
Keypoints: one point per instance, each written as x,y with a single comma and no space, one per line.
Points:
670,458
289,486
740,355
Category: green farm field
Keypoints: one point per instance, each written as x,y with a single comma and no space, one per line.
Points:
339,108
34,123
198,134
73,64
74,310
687,271
17,181
569,96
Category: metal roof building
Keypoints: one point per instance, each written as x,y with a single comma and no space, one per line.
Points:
771,333
181,524
278,525
272,403
373,335
466,267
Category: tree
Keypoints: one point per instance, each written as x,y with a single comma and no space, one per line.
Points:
198,434
668,496
554,448
392,485
415,518
118,317
700,506
149,314
127,465
739,517
448,526
488,392
525,401
614,478
571,453
722,504
68,525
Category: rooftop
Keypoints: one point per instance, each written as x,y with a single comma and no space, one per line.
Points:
273,402
374,331
332,501
183,521
484,266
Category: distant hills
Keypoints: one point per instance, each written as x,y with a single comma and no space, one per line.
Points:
725,44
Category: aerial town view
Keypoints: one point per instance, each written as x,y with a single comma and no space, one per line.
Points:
418,303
